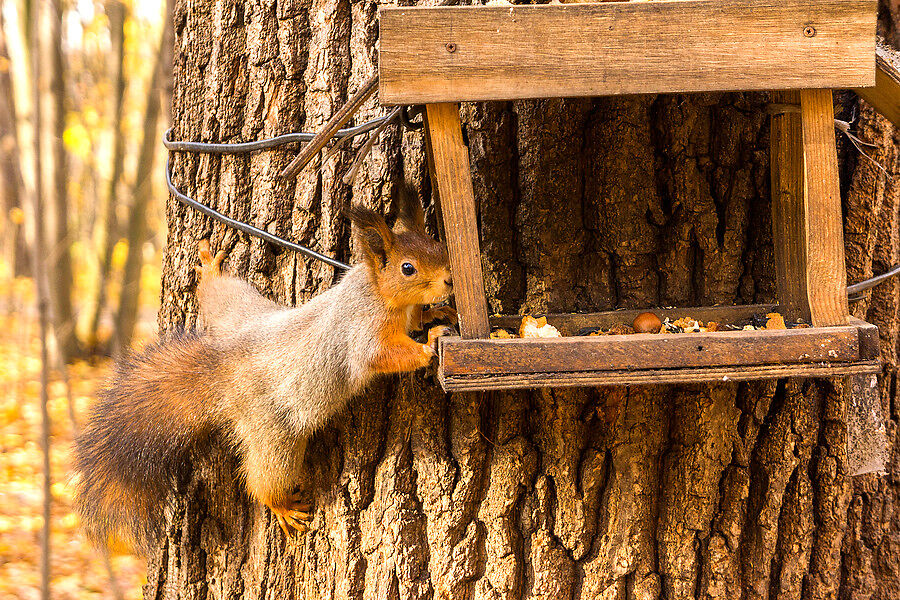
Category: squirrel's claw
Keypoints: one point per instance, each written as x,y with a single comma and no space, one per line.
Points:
292,521
435,332
293,518
441,313
283,524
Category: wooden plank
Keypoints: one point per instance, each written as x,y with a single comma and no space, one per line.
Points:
572,323
788,208
430,54
826,275
869,340
885,96
453,180
647,351
436,193
462,383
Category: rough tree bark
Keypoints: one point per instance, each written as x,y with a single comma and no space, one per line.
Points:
731,490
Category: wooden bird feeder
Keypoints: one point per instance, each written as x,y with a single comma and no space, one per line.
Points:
441,56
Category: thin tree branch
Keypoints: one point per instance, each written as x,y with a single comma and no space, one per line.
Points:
338,120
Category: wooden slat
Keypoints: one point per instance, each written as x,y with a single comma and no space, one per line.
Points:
788,208
885,96
869,340
826,276
453,179
572,323
462,383
647,351
430,54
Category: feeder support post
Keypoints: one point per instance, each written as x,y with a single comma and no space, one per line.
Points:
451,178
807,222
826,270
788,206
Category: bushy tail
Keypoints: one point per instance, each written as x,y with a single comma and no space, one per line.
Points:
136,441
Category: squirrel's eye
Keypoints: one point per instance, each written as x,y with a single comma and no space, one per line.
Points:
408,269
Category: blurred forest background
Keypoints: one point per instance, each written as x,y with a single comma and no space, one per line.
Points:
85,91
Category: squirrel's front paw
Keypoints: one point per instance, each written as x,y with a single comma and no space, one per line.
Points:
435,332
442,313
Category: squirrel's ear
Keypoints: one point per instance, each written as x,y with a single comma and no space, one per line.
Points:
373,234
411,216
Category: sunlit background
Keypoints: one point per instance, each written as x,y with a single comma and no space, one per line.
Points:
102,210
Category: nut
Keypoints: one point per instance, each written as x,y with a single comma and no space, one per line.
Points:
647,323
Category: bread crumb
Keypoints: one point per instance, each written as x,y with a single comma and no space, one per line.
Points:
775,321
537,328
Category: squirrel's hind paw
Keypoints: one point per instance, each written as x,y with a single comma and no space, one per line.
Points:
294,517
291,522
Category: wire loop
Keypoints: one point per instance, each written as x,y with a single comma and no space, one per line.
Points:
406,114
244,148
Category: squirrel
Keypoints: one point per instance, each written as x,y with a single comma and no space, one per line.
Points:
263,375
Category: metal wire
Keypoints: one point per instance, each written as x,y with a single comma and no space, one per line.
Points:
855,290
246,227
243,148
281,140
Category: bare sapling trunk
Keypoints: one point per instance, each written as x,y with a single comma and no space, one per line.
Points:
126,315
12,238
108,223
23,37
54,180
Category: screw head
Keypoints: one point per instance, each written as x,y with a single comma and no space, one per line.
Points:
809,31
451,47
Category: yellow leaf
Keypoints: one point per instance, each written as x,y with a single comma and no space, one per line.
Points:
77,140
16,215
120,253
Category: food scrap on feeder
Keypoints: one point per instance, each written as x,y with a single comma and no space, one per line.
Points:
502,334
774,320
620,330
649,322
537,328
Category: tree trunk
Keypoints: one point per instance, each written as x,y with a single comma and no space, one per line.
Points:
647,492
108,224
55,177
12,246
127,312
26,68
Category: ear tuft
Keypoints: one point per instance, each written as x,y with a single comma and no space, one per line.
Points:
411,216
372,233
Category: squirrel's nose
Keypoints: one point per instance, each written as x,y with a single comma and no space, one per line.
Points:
449,282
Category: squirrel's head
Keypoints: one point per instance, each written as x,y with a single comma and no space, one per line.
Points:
408,265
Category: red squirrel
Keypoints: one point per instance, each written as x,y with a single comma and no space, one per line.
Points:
263,375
